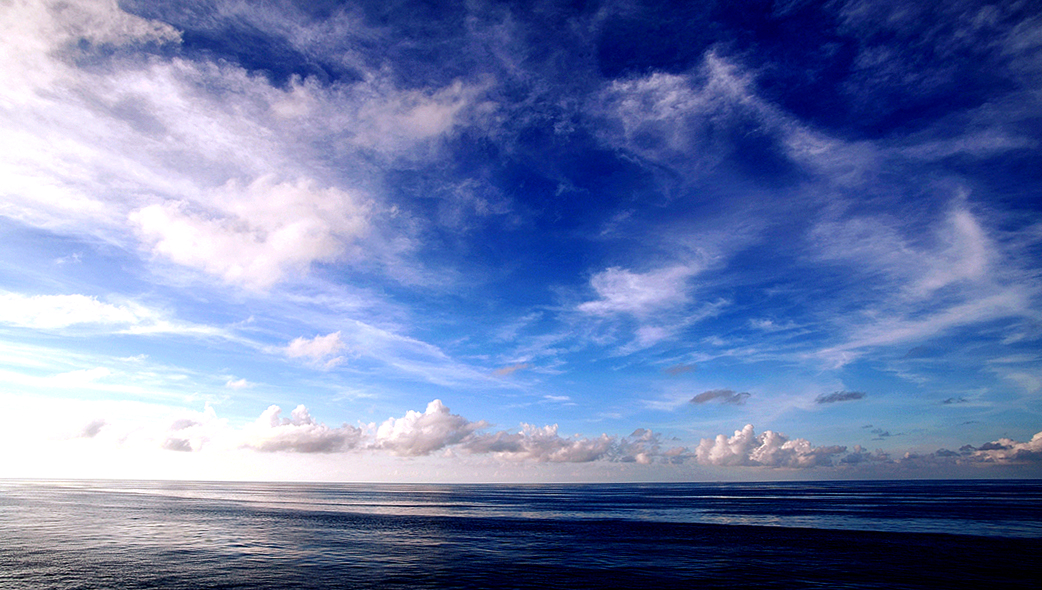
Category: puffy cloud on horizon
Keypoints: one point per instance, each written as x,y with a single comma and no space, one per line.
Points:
545,445
1009,451
770,449
299,433
775,450
537,444
423,433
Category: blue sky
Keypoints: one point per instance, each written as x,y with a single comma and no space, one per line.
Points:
520,241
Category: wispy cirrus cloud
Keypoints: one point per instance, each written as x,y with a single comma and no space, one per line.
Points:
84,314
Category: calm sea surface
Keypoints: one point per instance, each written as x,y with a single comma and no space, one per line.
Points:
935,534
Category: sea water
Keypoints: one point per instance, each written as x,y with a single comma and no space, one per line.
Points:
893,534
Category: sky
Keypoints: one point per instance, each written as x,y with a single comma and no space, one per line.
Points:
520,241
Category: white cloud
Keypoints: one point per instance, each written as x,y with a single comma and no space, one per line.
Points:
320,349
1006,451
770,449
255,234
85,313
676,119
623,291
545,445
62,311
960,277
539,444
238,384
182,149
299,433
423,433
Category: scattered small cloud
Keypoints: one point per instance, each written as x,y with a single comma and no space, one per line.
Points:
238,384
839,396
918,352
955,400
676,370
93,428
881,434
181,445
74,258
320,349
510,370
723,396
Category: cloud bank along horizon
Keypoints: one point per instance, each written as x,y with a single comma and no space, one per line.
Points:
619,240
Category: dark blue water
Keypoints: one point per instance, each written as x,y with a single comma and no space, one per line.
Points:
770,535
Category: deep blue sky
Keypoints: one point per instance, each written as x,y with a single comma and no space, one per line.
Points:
521,241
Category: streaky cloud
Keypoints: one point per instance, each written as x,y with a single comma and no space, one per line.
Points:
839,396
723,396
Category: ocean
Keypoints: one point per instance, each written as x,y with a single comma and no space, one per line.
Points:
204,535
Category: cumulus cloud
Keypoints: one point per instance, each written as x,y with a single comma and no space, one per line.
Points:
320,349
1009,451
770,449
839,396
545,445
533,443
299,433
423,433
723,396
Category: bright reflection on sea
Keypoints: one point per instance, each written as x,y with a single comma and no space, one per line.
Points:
974,508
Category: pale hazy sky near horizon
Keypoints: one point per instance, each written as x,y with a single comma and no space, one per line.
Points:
520,241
